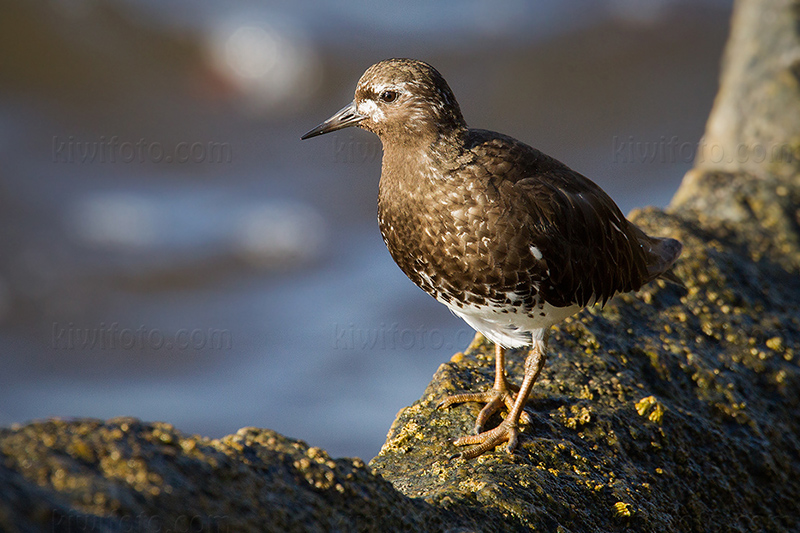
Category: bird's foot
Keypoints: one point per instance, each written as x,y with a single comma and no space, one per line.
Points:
495,398
507,431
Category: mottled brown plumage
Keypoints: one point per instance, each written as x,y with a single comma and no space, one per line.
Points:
510,239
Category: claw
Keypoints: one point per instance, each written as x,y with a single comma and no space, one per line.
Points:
488,440
495,400
513,441
498,396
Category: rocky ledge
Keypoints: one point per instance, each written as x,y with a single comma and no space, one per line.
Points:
669,410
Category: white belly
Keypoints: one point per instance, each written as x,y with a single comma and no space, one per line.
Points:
512,329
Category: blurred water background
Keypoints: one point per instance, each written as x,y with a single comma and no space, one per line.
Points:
170,250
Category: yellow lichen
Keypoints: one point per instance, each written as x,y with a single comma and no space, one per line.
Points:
652,406
622,510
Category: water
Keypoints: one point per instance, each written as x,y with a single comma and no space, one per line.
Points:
172,251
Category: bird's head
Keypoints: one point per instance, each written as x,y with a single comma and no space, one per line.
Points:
403,101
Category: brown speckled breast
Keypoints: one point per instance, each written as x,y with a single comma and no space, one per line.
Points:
502,224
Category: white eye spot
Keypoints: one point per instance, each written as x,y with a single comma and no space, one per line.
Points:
370,109
537,253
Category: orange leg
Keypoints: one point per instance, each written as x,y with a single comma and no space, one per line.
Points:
508,429
501,394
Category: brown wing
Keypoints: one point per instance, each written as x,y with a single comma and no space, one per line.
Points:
590,249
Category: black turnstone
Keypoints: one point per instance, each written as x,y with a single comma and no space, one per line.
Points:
510,239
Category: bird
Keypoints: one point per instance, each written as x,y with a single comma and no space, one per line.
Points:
511,240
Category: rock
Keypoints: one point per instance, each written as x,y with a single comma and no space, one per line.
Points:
126,475
753,126
670,410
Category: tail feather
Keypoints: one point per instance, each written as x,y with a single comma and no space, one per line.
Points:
671,277
663,254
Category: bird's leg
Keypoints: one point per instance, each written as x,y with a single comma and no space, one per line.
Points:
508,429
501,393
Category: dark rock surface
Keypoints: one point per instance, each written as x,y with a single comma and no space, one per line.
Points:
126,475
670,410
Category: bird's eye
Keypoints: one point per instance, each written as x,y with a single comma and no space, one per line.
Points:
388,96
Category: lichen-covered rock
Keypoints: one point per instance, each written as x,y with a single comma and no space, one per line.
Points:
674,409
125,475
671,410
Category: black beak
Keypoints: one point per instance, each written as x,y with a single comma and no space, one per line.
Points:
345,117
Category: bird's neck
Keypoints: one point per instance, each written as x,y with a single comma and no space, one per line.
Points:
412,175
440,151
